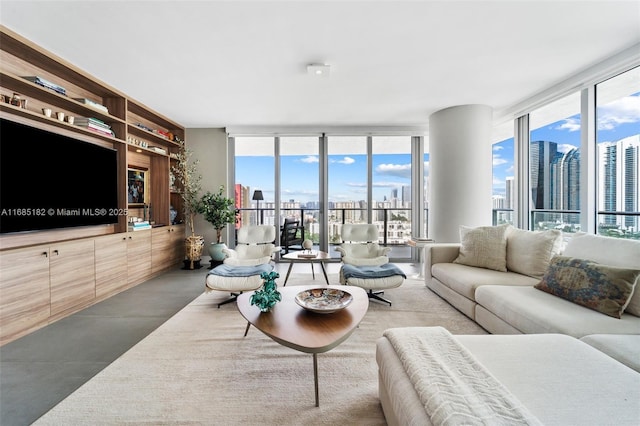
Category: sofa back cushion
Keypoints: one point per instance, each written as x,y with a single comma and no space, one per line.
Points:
603,288
610,251
484,247
529,252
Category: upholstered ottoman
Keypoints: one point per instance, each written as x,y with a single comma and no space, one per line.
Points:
374,279
235,279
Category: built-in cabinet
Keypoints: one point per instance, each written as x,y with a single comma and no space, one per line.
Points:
47,275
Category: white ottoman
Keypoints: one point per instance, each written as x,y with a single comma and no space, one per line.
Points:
370,279
235,279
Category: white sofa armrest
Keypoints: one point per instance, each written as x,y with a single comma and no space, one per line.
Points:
439,253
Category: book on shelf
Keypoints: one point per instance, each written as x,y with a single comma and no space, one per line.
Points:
158,149
140,223
139,228
93,104
45,83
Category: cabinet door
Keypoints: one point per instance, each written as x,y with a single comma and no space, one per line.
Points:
160,249
24,291
111,265
138,256
72,276
177,244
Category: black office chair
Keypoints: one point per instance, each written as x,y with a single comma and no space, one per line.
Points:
292,235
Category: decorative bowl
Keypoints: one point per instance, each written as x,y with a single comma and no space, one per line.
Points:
323,300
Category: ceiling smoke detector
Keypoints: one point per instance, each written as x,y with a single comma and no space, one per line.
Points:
319,70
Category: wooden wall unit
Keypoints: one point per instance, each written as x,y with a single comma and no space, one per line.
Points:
46,275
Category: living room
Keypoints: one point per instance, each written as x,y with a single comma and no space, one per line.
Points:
254,60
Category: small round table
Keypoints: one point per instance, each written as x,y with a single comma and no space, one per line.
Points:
307,257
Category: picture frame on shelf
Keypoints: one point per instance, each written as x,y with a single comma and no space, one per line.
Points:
137,187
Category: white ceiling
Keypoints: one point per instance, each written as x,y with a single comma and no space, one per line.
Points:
393,63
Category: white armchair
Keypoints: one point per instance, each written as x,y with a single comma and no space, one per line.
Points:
360,246
242,266
254,246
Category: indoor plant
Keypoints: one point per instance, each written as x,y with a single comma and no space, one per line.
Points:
219,211
189,180
268,295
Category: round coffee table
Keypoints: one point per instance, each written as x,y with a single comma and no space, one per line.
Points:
308,257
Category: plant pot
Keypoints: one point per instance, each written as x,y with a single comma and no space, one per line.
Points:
215,251
193,248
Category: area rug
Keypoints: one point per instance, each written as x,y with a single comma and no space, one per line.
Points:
197,368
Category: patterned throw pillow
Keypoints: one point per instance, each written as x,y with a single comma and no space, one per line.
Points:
484,247
603,288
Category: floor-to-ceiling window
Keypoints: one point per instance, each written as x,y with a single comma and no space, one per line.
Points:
368,179
255,170
554,165
299,183
391,188
348,183
618,155
504,190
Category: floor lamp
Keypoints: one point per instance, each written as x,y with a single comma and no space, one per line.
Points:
257,196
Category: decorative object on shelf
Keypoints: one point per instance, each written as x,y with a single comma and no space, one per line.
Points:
268,295
137,185
16,99
60,115
47,112
307,244
324,300
219,211
70,119
189,181
173,214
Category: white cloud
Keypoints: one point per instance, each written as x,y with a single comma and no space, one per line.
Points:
310,159
498,147
565,147
620,111
347,160
497,161
400,170
570,124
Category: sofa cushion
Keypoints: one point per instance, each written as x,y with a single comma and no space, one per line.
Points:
533,311
603,288
622,347
610,251
465,279
484,247
529,252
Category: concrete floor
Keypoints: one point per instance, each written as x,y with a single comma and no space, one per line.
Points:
41,369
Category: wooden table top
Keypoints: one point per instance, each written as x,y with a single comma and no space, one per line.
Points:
295,327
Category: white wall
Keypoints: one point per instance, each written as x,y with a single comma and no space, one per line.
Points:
209,146
461,170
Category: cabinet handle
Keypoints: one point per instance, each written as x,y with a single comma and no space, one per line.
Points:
45,254
56,252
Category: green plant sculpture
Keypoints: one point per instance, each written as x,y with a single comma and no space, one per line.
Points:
268,295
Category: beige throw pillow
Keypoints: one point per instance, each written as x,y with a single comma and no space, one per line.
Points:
484,247
529,252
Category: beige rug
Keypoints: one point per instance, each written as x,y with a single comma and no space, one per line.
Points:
197,368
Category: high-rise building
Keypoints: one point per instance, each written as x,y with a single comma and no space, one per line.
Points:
619,181
509,193
542,155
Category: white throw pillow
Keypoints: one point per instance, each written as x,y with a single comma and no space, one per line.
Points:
484,247
610,251
529,252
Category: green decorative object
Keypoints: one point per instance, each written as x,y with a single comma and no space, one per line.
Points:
266,297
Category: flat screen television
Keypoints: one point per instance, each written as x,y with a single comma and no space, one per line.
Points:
51,181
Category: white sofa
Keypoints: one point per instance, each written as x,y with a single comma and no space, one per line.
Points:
508,303
558,379
565,363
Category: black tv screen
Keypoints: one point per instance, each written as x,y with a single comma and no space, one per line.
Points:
50,181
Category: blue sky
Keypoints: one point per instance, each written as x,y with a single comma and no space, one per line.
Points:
616,120
347,173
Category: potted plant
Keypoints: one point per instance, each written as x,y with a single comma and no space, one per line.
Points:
219,211
189,180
